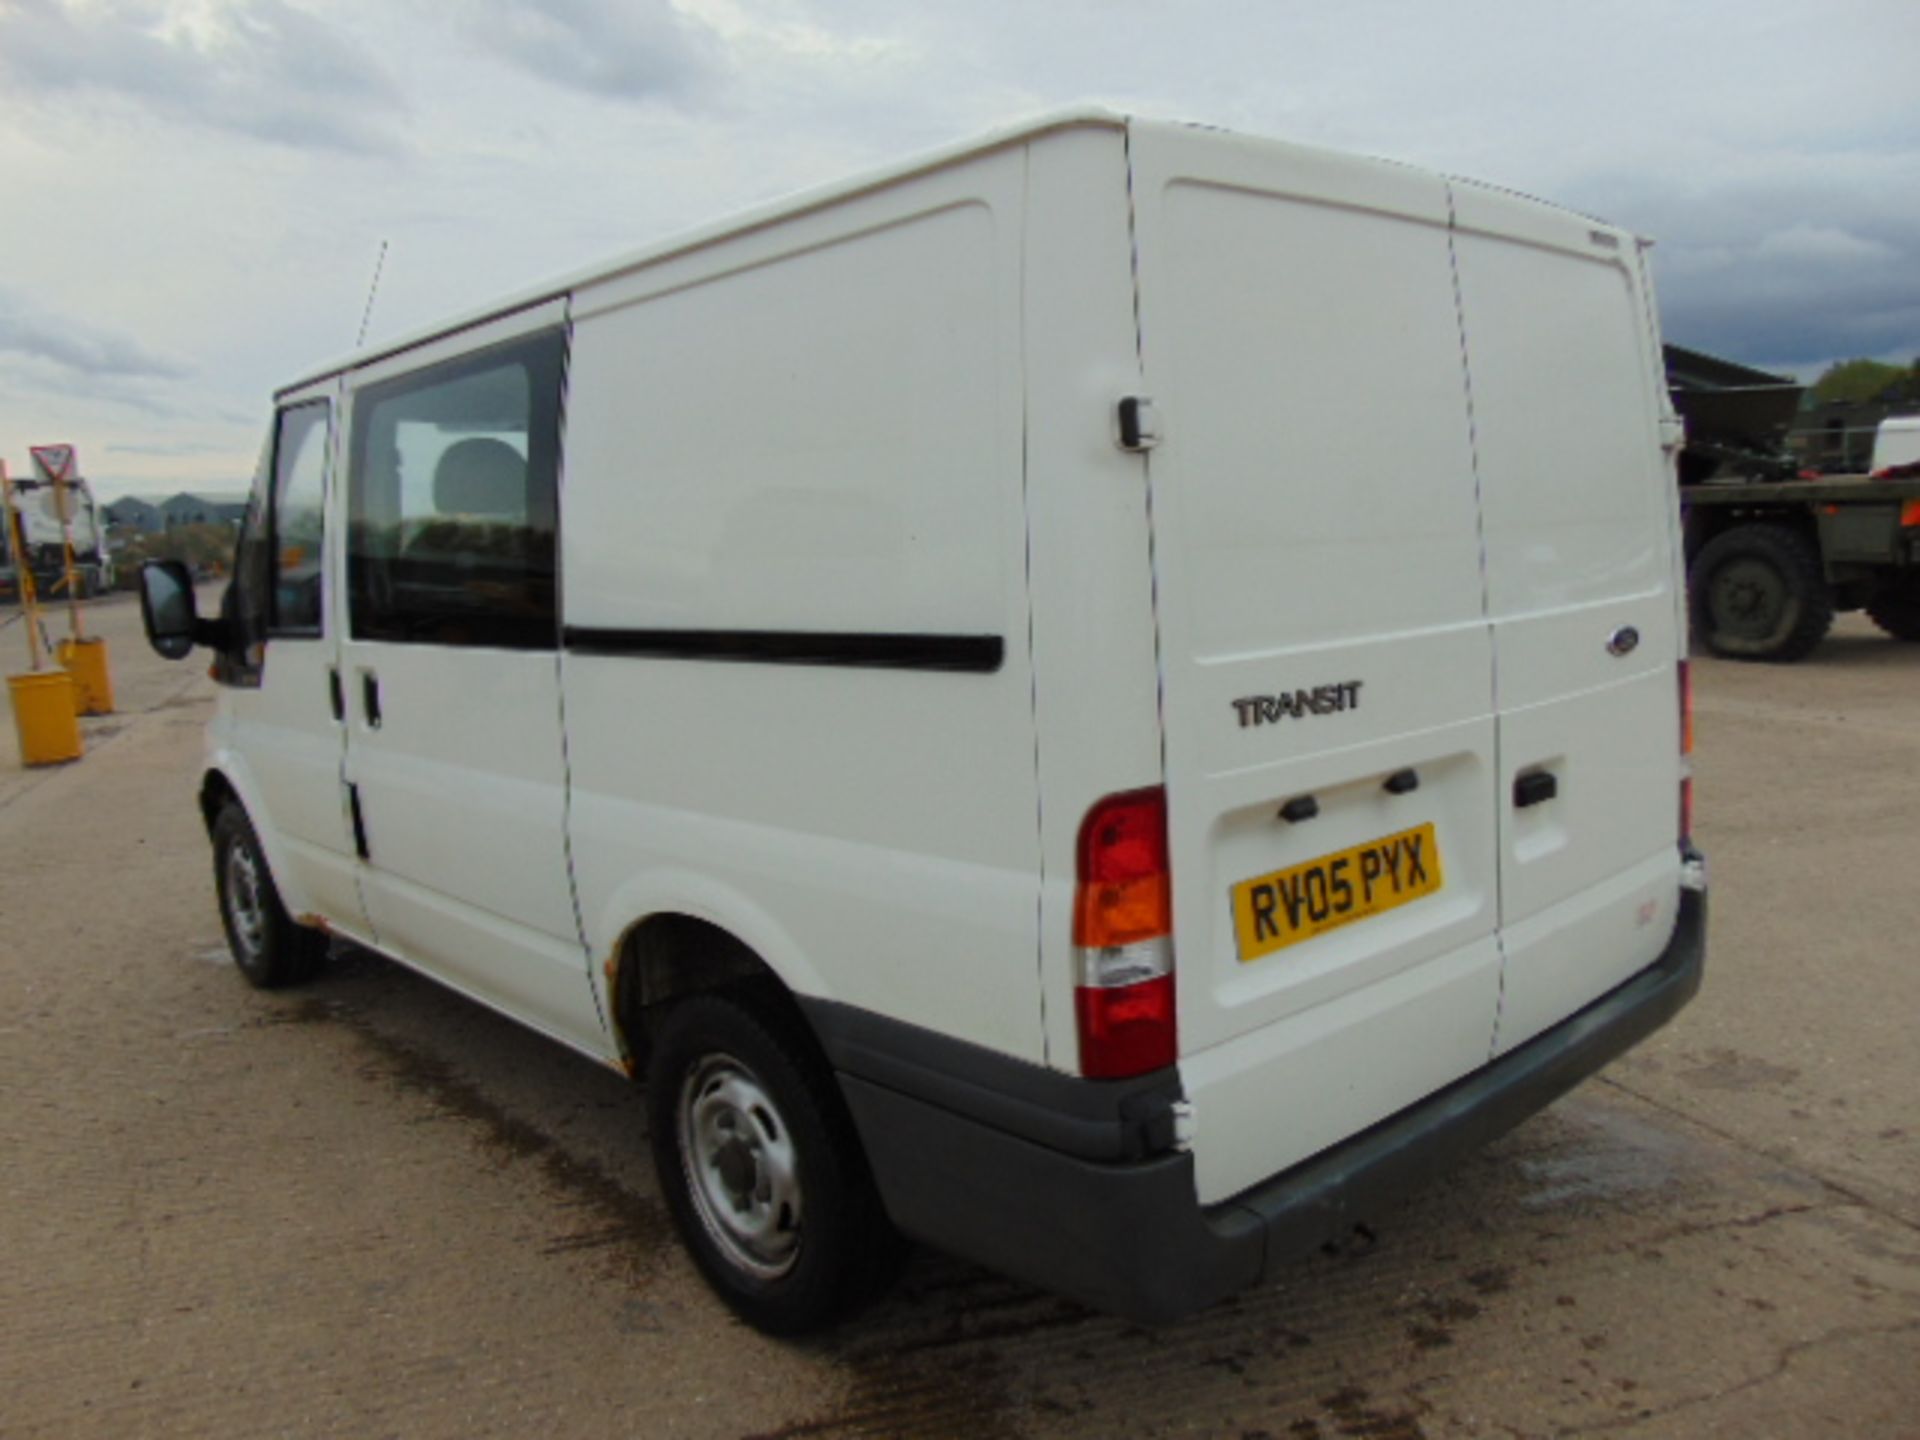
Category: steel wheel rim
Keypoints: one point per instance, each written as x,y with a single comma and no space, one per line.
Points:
741,1166
246,906
1750,598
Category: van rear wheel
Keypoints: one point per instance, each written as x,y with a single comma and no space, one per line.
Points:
761,1167
1758,593
269,949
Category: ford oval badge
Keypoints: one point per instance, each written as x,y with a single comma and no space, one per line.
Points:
1624,642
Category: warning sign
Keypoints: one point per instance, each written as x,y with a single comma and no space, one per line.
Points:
54,462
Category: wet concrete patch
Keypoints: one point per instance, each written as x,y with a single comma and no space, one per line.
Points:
631,1232
194,700
1493,1280
1435,1319
1605,1155
1353,1413
1355,1342
1724,1069
932,1354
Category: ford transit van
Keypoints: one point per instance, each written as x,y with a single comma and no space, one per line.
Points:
953,682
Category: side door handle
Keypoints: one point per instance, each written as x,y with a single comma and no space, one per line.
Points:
336,693
370,698
359,822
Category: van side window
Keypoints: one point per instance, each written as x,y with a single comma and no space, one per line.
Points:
299,520
452,501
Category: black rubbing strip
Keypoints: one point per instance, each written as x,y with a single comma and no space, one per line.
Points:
978,654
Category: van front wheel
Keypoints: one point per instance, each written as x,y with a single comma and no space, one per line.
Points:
269,949
761,1167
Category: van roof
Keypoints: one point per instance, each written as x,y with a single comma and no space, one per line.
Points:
740,223
801,202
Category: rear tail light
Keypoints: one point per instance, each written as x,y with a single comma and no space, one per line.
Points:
1910,515
1686,752
1123,938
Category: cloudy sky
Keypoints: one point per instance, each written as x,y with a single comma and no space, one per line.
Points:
198,189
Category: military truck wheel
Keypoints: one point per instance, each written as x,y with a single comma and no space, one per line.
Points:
1758,593
1897,611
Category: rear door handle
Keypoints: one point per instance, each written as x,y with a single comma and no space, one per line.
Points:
336,695
370,698
1534,789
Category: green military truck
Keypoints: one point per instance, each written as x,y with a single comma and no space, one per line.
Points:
1771,557
1769,564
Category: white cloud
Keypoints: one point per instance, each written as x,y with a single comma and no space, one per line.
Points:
75,348
1808,243
787,30
633,50
1787,258
262,68
171,449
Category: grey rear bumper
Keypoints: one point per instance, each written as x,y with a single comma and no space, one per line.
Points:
1126,1234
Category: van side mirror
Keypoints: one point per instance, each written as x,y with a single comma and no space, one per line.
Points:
168,608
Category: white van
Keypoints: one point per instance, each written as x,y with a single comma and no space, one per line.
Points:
951,680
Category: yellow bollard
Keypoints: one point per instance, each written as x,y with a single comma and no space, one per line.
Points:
43,714
85,658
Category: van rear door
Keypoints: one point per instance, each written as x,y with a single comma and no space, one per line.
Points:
1326,665
1583,591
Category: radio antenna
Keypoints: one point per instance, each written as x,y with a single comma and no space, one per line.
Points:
372,290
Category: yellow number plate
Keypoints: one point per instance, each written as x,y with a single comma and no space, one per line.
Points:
1277,910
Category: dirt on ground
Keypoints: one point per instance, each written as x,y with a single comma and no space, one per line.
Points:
370,1208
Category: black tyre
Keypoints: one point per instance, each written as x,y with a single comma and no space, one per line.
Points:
269,948
761,1167
1897,611
1758,593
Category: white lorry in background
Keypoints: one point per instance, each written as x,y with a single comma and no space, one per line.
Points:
991,726
38,507
1896,444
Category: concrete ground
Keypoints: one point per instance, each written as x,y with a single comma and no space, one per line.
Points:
369,1208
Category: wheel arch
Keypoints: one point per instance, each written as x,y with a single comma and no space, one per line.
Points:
216,792
226,781
690,946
